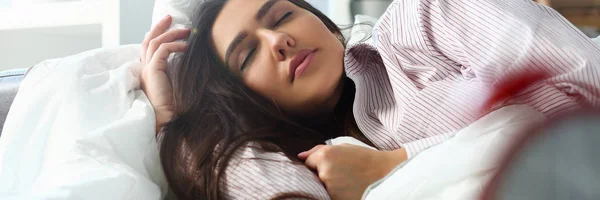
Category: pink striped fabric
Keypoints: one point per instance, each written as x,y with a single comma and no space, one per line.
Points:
431,68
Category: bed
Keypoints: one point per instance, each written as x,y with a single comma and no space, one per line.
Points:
93,135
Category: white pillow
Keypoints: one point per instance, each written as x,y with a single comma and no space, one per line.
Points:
180,10
361,30
597,40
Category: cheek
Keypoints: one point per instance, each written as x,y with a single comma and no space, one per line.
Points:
263,79
318,31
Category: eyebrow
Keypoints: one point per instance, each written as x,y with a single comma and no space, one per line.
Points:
260,14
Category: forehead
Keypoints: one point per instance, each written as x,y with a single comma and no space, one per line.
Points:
235,16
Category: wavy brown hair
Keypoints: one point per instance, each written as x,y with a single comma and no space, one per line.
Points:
216,114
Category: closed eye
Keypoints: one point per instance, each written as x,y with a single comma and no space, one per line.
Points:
247,60
286,15
251,53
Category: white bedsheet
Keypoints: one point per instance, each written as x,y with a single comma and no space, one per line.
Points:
460,167
80,128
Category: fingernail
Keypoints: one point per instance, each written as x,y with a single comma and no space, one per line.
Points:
167,17
301,154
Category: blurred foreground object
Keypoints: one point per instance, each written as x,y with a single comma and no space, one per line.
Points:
558,161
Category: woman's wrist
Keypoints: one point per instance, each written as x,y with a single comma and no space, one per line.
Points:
393,159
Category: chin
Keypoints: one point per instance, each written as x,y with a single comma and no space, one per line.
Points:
330,92
322,89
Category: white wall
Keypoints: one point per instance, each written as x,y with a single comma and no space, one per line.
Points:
337,10
25,48
322,5
136,18
5,3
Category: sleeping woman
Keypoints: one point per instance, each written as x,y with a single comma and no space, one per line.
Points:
259,86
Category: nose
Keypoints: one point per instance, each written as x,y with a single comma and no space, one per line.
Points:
279,43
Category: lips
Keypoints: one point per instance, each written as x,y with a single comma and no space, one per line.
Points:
300,62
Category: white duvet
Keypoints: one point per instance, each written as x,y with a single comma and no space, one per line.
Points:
460,167
80,128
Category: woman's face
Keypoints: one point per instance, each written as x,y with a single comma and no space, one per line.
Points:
282,52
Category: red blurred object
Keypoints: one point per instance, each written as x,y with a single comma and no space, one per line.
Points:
511,85
581,125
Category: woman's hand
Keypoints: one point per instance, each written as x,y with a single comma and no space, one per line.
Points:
156,48
347,170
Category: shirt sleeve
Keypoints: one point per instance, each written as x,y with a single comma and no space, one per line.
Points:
255,174
492,39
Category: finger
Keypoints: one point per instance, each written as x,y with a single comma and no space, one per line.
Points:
165,50
159,29
306,154
167,37
314,159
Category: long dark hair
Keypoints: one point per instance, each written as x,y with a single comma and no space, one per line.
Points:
216,114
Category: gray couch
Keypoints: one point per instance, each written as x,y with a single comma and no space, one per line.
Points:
9,84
